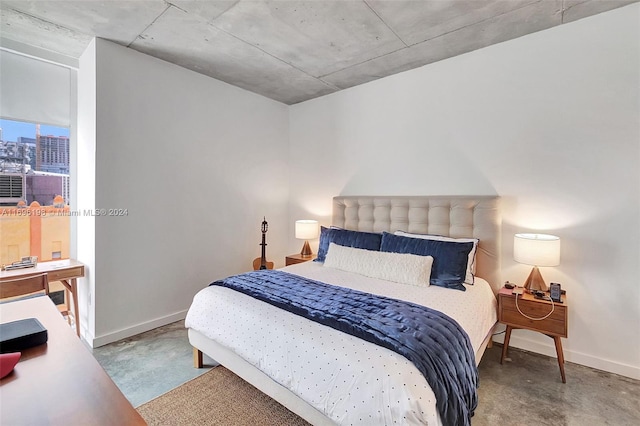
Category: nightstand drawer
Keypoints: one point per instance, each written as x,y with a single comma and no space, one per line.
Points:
292,259
555,324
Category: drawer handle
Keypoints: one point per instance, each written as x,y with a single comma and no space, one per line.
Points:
553,307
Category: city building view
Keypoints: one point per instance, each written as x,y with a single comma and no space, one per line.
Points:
33,167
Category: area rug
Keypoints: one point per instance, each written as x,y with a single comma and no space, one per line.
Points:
217,397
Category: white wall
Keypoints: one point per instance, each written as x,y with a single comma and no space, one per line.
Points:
548,121
197,163
84,180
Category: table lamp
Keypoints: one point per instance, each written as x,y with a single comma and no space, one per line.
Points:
306,230
536,250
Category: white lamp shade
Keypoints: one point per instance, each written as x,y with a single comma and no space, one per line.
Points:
536,249
306,229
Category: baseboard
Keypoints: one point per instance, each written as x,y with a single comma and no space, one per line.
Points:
572,356
136,329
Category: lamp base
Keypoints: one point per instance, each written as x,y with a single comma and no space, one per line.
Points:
535,281
306,250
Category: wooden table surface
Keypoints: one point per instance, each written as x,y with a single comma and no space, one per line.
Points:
43,267
60,382
66,271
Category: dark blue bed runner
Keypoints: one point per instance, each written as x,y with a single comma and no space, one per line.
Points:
434,342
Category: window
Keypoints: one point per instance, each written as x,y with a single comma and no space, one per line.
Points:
37,108
38,152
34,191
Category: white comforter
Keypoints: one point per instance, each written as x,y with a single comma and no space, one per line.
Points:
350,380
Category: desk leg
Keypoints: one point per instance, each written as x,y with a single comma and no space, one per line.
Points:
505,345
72,286
76,312
560,355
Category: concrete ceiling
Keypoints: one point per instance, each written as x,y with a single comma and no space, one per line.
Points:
290,51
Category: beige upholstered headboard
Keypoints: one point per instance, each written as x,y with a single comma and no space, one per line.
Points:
452,216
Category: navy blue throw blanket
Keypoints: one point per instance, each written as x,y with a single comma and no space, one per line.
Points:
434,342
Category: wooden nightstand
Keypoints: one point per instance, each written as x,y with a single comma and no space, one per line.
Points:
554,326
292,259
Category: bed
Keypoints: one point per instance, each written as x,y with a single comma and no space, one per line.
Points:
330,377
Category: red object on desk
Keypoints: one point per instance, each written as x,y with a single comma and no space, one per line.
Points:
7,362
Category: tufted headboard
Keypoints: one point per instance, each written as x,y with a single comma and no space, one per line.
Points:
452,216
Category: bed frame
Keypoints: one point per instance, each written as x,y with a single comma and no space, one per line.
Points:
454,216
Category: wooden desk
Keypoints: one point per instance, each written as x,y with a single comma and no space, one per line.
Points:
66,271
60,382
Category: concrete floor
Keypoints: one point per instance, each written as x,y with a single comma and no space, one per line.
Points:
524,391
528,390
150,364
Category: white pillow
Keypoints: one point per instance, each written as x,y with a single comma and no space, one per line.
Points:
402,268
471,263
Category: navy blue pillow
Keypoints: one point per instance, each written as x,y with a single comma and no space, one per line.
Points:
344,237
449,259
